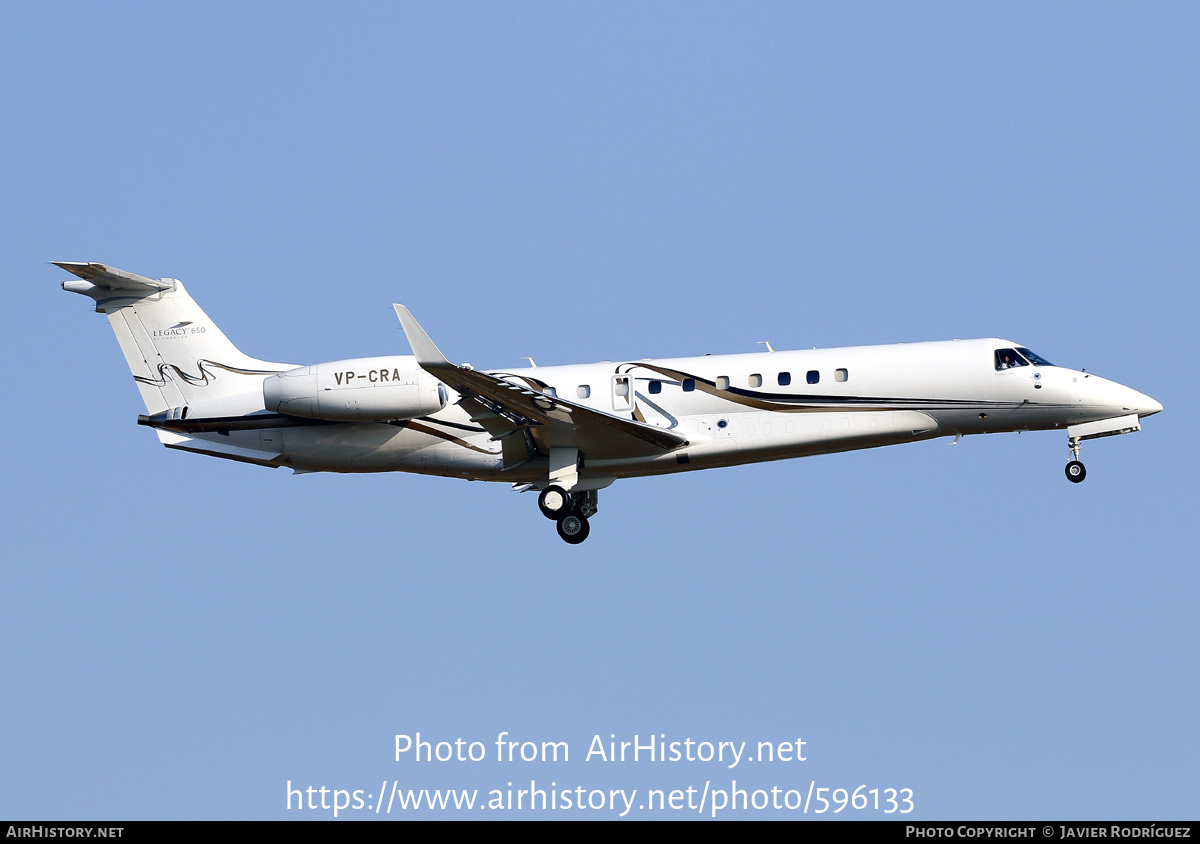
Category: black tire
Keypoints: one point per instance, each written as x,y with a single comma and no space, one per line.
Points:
1075,472
573,528
554,502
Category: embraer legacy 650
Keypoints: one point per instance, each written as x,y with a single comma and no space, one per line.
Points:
570,431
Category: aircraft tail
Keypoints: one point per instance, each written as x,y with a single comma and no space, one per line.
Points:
184,366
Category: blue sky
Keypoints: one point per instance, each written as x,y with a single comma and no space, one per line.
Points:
579,182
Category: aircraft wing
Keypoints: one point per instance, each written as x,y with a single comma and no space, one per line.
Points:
505,408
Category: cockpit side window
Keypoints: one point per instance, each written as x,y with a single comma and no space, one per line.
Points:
1009,359
1036,360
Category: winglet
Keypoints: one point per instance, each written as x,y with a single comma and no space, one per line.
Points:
427,352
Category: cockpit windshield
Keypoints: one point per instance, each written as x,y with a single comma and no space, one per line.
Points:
1009,359
1036,360
1012,358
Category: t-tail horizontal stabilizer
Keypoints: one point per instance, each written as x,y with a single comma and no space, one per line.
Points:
102,276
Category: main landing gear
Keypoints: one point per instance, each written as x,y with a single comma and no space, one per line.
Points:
573,528
570,510
1075,471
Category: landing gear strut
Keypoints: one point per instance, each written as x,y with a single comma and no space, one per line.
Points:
1075,471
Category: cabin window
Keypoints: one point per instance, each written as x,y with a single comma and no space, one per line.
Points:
655,387
814,377
840,375
785,378
689,384
622,387
756,380
583,391
722,382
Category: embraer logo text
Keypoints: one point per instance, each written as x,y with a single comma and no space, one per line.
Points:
375,376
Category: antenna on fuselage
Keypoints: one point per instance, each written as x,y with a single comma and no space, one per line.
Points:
766,343
532,362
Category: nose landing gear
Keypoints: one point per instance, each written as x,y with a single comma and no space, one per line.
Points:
1075,471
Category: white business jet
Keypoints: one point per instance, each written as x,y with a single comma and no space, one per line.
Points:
570,431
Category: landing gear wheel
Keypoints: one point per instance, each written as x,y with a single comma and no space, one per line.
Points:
554,502
573,528
1076,472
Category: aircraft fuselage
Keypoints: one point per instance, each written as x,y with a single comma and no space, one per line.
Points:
743,408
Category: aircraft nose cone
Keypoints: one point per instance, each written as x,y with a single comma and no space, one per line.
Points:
1147,406
1120,399
1139,403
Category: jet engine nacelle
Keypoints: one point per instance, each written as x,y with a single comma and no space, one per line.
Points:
359,390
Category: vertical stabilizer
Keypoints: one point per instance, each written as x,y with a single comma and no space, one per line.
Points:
179,358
